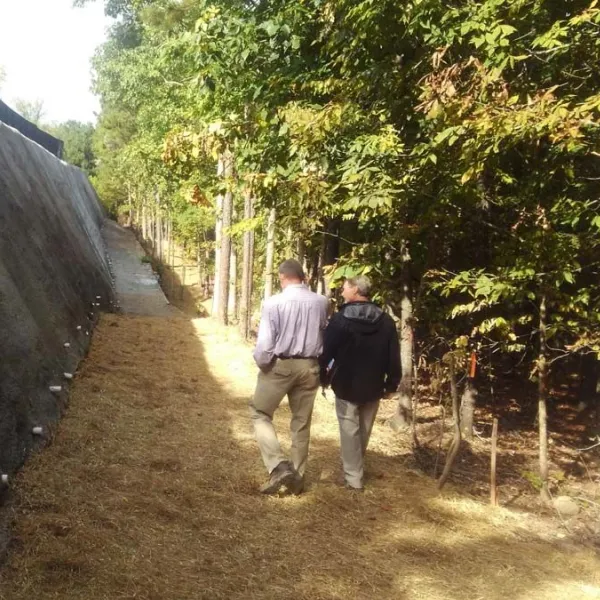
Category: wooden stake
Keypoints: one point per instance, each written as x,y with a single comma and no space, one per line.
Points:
493,489
439,450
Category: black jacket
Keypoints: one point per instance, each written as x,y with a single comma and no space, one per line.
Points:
363,343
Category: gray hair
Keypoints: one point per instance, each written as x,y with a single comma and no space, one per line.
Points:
291,269
362,284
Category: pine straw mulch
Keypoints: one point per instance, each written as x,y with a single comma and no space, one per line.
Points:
572,473
149,491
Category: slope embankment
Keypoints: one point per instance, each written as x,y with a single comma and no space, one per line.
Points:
54,280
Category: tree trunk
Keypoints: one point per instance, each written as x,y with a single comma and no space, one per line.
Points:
589,373
206,283
159,224
168,236
130,203
144,222
403,417
136,212
169,272
542,402
270,254
223,311
153,230
199,265
332,242
247,262
415,407
467,408
218,233
597,411
314,271
301,254
173,248
289,242
456,440
251,269
320,265
233,283
167,240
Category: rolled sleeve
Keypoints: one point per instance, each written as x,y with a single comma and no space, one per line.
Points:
264,351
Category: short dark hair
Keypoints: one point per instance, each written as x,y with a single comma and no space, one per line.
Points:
291,269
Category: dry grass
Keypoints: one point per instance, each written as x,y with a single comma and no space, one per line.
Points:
149,492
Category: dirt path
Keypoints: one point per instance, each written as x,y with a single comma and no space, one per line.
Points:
136,285
149,492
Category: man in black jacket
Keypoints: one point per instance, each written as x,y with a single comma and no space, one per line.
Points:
361,362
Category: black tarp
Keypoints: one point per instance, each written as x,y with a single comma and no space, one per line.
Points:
54,280
45,140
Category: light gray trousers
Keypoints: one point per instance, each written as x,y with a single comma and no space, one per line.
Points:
356,423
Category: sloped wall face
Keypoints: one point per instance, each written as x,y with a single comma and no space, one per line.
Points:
53,273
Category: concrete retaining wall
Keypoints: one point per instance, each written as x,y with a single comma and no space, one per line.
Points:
53,266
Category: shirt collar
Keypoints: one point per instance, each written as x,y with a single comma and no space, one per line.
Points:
294,286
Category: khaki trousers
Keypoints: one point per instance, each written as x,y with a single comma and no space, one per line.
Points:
356,423
298,378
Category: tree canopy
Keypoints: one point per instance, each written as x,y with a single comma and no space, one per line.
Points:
78,141
450,151
33,110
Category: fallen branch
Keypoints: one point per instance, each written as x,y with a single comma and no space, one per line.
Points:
586,500
586,469
590,447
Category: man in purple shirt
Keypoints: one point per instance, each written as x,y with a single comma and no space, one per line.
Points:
289,343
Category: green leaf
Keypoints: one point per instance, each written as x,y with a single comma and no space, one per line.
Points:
270,27
257,92
507,29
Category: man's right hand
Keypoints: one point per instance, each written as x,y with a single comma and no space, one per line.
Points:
324,377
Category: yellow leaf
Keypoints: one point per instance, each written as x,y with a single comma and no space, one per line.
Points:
466,176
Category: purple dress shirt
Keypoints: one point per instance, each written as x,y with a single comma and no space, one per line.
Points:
291,324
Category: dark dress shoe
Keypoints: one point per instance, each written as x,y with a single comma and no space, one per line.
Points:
353,488
283,475
297,486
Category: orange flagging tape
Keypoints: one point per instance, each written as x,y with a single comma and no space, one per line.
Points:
473,365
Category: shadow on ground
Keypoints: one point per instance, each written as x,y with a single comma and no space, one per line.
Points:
149,491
